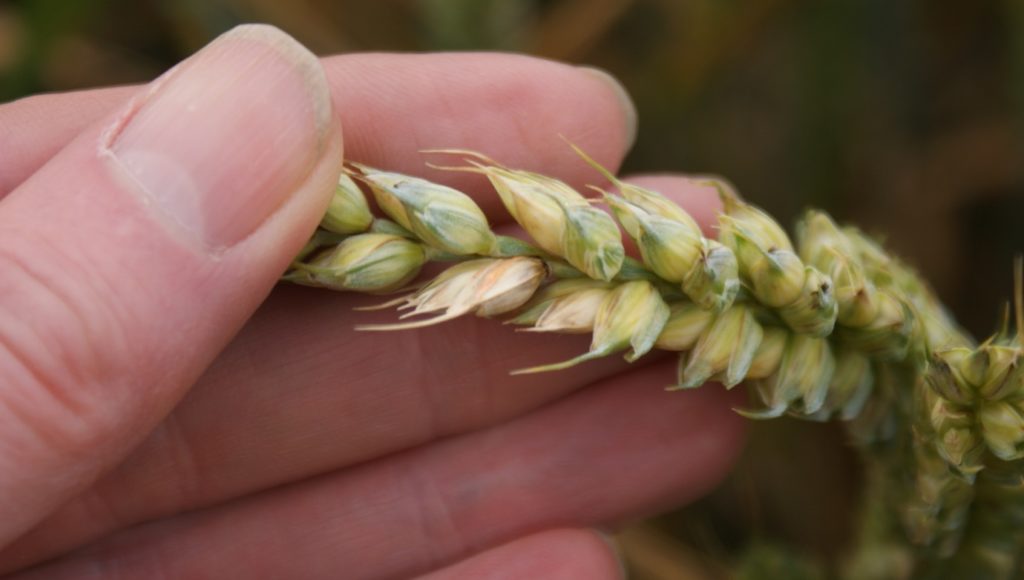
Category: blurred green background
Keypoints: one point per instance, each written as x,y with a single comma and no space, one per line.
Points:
906,117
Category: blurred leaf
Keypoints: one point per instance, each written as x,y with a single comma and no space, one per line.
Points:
47,21
474,24
771,562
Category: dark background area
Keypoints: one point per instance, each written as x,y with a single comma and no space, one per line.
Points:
906,118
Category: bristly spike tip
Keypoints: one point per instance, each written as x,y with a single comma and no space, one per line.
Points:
592,162
467,152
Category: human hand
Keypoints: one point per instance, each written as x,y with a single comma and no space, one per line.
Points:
137,428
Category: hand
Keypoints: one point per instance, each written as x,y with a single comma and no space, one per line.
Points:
134,422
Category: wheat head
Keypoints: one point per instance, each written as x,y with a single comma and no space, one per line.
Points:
830,326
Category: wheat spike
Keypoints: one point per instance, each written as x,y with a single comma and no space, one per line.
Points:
829,327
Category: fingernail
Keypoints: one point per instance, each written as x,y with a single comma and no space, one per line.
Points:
625,101
221,141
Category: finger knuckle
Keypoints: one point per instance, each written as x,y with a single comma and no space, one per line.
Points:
57,330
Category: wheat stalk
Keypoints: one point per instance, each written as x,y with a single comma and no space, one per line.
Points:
829,327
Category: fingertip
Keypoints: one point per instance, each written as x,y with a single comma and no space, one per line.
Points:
629,115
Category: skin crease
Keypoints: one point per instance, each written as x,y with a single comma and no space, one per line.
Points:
585,460
278,380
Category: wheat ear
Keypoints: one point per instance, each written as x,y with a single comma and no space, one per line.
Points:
831,326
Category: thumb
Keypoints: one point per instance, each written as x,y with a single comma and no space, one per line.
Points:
129,260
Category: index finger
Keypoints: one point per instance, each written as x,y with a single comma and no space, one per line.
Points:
510,107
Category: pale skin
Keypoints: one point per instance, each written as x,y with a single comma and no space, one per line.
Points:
167,411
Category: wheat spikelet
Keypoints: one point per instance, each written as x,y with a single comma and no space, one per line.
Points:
829,327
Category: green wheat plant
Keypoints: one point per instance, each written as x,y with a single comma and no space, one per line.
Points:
826,325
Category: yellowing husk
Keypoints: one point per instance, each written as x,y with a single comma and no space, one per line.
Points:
348,212
776,277
367,263
740,218
804,375
441,216
970,365
676,251
1002,426
560,220
631,316
713,282
1012,386
963,448
669,248
506,285
851,384
956,438
657,204
486,286
531,312
825,247
814,311
888,336
592,242
1003,373
855,296
535,203
768,355
725,350
572,313
945,378
686,322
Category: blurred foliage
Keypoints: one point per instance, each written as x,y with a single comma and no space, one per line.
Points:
904,117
